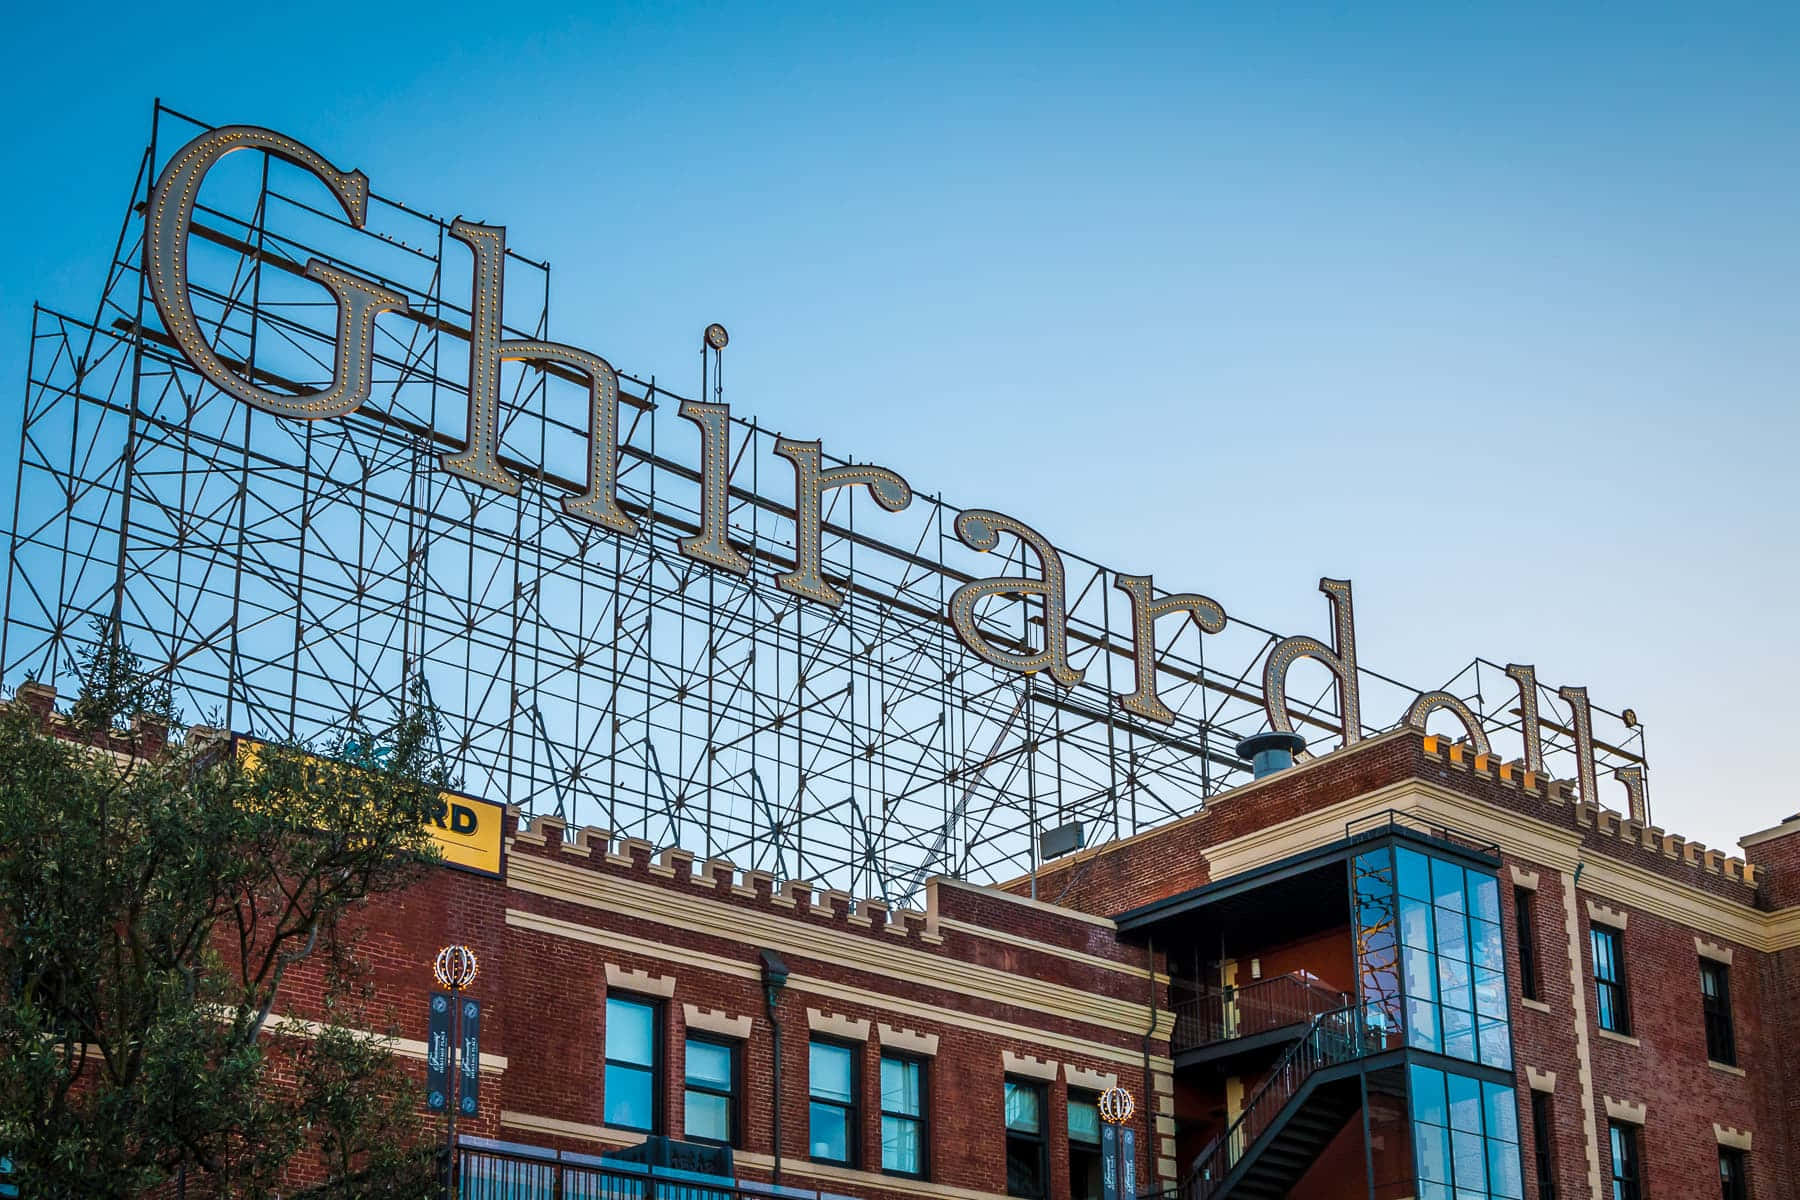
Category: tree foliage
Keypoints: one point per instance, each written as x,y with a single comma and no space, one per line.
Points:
154,912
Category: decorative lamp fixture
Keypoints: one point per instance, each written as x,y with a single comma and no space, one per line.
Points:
1116,1106
456,968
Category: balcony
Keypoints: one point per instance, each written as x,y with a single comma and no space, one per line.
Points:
494,1170
1214,1022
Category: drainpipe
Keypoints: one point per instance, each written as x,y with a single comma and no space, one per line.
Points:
775,977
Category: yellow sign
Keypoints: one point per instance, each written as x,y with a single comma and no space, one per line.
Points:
466,828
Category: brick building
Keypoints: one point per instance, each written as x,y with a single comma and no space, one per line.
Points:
1399,969
1396,970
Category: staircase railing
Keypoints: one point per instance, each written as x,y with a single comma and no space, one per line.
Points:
1211,1015
1340,1036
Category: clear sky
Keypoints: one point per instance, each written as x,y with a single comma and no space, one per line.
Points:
1495,312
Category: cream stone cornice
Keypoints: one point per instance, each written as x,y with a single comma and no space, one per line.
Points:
1600,914
491,1064
1519,836
1098,1081
642,982
579,1130
849,1029
955,1018
908,1040
1712,950
750,926
1736,1139
1629,1111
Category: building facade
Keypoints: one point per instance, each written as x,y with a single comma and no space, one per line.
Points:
1399,969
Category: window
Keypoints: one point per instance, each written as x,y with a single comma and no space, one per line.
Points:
1465,1137
631,1061
1543,1138
1715,1002
1452,959
1084,1146
1525,916
1734,1174
832,1125
1627,1168
1025,1139
709,1101
1609,979
903,1139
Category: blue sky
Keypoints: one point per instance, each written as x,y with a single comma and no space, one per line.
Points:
1495,312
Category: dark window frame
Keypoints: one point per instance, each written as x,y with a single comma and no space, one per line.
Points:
922,1120
733,1097
1715,1009
1611,993
1543,1144
852,1111
1073,1097
658,1060
1627,1161
1734,1174
1525,927
1041,1138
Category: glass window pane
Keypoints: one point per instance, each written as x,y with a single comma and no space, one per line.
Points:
628,1097
1505,1179
708,1116
1434,1153
829,1070
1502,1111
1490,993
1465,1102
1415,924
1496,1043
900,1079
1484,896
709,1064
1455,988
1484,945
630,1032
1084,1121
1459,1033
828,1132
899,1145
1447,885
1421,975
1452,935
1022,1108
1414,872
1429,1102
1422,1031
1468,1159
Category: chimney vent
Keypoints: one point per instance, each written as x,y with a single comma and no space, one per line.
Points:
1270,752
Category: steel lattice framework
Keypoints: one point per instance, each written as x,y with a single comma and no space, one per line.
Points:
288,575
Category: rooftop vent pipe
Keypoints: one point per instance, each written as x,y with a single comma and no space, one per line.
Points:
1270,752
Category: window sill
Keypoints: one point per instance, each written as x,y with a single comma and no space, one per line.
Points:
1727,1068
1535,1005
1622,1039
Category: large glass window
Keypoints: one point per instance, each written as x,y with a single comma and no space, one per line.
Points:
1715,1002
902,1115
1377,938
1085,1181
709,1101
832,1124
1466,1137
631,1061
1627,1166
1453,959
1612,1006
1025,1140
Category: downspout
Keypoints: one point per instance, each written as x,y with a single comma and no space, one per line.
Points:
1149,1087
774,977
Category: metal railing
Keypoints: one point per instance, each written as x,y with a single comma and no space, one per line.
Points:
1207,1016
1340,1036
493,1170
1390,819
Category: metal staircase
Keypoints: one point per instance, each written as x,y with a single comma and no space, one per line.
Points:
1294,1112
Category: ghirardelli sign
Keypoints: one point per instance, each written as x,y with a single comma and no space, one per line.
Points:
361,302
